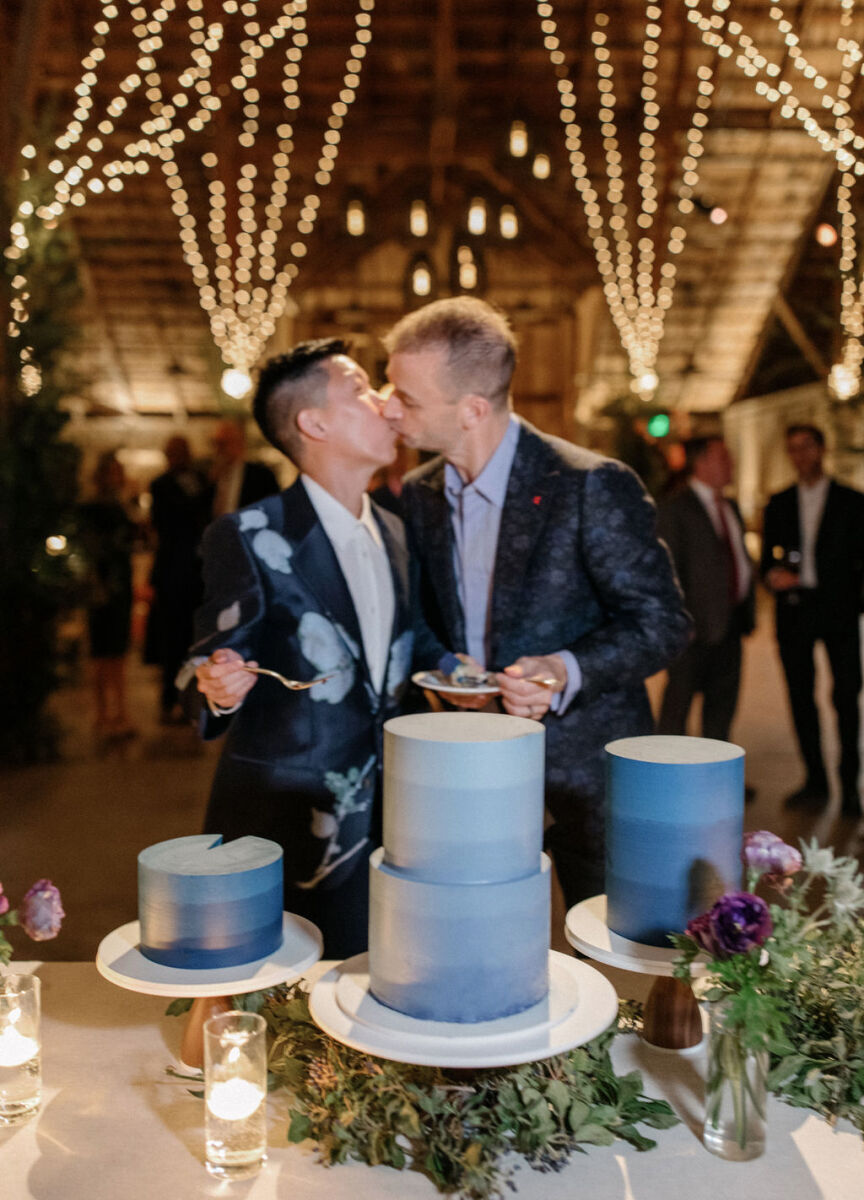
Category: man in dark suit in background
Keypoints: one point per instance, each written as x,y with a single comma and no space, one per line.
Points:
536,557
313,583
813,562
705,534
235,482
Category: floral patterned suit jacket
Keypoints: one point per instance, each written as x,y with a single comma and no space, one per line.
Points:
301,768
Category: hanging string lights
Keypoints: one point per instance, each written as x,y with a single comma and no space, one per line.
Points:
240,282
638,288
731,41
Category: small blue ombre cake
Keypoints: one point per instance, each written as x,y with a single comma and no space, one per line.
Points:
460,891
205,904
674,821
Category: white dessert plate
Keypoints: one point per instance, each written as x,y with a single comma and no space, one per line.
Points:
437,681
580,1005
120,960
586,928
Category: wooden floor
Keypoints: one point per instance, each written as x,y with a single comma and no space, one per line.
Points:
82,822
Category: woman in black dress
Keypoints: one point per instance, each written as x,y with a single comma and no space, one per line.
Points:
108,536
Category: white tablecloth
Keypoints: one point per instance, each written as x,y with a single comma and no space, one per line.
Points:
113,1126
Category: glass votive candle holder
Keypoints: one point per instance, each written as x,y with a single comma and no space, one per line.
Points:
235,1093
20,1048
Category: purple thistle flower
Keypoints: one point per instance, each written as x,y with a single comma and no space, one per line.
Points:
767,854
738,922
4,901
41,911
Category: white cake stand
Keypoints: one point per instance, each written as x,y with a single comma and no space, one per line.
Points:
672,1019
120,960
580,1005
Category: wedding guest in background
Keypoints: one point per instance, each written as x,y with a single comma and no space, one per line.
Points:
235,482
311,583
178,514
813,562
705,535
108,536
536,557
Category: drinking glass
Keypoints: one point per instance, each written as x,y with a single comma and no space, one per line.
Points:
235,1090
20,1048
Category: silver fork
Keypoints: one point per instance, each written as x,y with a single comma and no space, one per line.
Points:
293,685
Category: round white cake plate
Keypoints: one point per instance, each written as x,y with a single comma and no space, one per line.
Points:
435,681
671,1016
581,1004
586,928
120,960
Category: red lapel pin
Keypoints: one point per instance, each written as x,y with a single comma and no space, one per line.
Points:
537,499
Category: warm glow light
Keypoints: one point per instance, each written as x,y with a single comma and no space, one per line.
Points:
55,544
541,167
355,218
508,222
646,384
419,219
235,383
234,1099
844,381
826,235
477,216
421,280
518,139
718,216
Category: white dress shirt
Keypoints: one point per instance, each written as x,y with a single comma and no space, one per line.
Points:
363,560
710,502
811,506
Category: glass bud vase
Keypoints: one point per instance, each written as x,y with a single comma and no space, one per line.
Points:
734,1092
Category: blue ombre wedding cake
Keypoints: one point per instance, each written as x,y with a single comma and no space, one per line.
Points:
460,890
203,903
674,818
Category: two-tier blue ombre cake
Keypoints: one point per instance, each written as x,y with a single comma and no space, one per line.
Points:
203,903
674,818
460,890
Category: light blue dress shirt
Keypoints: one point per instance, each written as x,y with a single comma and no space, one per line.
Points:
475,513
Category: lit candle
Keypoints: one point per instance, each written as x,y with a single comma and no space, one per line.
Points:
16,1048
234,1099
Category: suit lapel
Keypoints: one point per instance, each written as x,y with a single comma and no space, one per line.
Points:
530,490
398,558
437,535
316,564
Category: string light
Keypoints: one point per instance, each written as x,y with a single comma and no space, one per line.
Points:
741,49
518,139
508,222
355,218
477,216
637,304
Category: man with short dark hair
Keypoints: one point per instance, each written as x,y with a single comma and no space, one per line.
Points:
536,557
311,583
705,534
813,562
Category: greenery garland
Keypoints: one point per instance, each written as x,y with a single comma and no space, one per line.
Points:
455,1127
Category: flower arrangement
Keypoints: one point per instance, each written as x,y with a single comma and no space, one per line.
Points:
786,978
40,915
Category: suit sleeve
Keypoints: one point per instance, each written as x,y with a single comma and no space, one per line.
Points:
770,537
631,571
230,615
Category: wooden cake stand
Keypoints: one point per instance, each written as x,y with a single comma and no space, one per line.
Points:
672,1019
120,961
581,1003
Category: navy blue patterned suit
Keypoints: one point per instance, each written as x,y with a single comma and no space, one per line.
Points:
578,567
302,768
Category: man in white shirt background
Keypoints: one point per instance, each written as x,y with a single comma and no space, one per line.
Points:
311,583
704,532
813,562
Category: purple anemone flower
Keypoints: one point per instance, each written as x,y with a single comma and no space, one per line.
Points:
4,901
738,922
767,854
41,911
